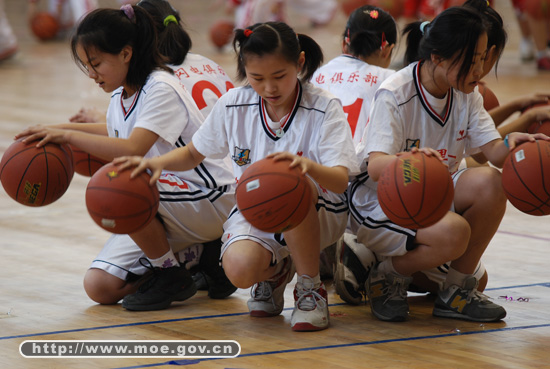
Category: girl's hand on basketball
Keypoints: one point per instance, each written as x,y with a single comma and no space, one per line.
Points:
425,150
140,164
525,102
516,138
296,161
44,134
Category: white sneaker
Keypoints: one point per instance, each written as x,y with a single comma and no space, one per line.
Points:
353,264
267,297
526,49
310,306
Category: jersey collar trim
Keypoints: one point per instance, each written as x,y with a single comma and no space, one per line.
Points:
275,136
132,107
441,120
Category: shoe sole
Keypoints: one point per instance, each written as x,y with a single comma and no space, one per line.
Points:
454,315
222,294
307,327
182,296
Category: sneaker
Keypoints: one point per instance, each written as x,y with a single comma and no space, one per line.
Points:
543,63
352,266
164,286
526,49
388,295
217,283
267,297
310,306
467,303
200,280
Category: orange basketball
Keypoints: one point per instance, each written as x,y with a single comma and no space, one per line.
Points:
526,177
120,204
36,176
490,100
221,33
540,127
84,163
44,26
273,197
415,190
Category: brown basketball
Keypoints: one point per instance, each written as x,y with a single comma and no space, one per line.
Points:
44,26
540,127
221,33
526,177
415,190
273,197
36,176
490,100
120,204
84,163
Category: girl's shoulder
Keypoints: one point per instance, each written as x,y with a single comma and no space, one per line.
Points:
314,97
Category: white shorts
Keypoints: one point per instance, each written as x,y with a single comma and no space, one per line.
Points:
332,211
373,228
191,215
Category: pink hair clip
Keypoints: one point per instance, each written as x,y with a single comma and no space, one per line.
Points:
248,32
128,10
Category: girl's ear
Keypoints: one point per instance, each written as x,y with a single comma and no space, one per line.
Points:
385,52
126,53
436,59
301,60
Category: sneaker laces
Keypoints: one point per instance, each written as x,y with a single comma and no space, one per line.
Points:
308,296
262,291
397,290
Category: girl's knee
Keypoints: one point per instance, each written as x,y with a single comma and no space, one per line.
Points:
243,268
102,287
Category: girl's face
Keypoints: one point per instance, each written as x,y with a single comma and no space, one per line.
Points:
490,60
273,78
476,68
107,70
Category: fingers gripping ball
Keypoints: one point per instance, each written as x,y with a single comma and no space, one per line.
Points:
84,163
44,26
273,197
120,204
36,176
415,190
526,177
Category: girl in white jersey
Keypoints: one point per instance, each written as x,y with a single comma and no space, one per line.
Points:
149,114
281,116
354,76
429,106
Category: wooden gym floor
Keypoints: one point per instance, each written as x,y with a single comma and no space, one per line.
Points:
44,252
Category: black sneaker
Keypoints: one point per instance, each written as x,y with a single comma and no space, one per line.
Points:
388,295
164,286
211,274
467,303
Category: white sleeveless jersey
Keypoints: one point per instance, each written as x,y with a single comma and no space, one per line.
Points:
162,106
401,118
204,79
316,128
354,82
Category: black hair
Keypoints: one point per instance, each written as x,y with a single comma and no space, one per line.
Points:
276,38
110,30
452,35
496,33
367,28
173,41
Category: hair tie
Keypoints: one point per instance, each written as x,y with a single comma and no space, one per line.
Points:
423,26
248,32
128,10
169,19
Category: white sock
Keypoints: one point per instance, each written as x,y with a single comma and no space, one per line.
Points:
307,281
454,277
386,267
167,260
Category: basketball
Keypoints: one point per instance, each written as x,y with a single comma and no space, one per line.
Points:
415,190
221,33
36,176
84,163
273,197
120,204
490,100
526,177
44,26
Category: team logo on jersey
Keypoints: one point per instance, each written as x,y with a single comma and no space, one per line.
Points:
241,156
412,143
462,135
